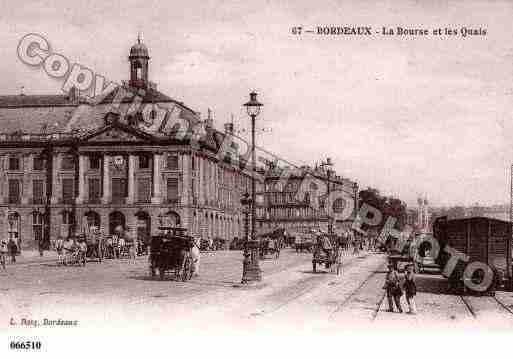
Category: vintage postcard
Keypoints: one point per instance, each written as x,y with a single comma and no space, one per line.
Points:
235,175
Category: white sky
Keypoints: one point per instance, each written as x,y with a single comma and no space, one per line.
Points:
405,115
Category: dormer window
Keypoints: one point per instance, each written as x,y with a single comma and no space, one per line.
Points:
14,164
138,70
144,161
39,163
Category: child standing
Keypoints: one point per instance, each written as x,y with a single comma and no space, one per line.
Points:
393,289
410,289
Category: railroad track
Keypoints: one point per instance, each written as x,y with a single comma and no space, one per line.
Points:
299,294
468,306
378,307
475,313
507,308
225,281
350,296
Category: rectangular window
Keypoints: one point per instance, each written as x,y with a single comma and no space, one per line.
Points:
172,190
94,162
14,191
68,163
68,187
144,161
14,164
94,190
119,190
38,188
39,163
172,162
144,190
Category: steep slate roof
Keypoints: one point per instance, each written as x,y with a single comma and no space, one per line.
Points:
12,101
56,113
37,114
35,119
150,96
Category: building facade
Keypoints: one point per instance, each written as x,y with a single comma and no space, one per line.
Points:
68,163
290,203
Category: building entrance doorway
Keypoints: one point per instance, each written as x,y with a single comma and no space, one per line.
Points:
116,220
143,231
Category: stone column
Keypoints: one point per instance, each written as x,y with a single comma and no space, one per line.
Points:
157,178
186,180
201,192
3,180
26,194
82,160
56,165
106,198
131,179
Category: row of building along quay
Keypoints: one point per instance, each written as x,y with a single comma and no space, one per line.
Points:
68,163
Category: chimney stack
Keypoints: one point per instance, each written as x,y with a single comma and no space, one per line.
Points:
209,121
73,94
228,128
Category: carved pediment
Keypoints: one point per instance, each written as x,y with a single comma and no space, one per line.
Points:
115,134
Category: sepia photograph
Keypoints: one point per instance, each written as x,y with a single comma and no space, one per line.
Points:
276,178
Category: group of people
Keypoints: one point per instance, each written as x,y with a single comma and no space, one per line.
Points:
70,250
394,289
8,248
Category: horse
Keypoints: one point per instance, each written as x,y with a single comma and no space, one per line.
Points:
196,256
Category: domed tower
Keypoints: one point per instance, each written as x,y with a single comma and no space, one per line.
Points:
139,59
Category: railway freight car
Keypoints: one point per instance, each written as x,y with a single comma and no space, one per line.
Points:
483,240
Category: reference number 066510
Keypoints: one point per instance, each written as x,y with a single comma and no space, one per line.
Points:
25,345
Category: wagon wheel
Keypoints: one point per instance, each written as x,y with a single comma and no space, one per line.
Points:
186,269
191,270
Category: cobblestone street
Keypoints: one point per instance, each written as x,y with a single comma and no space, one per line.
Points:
117,293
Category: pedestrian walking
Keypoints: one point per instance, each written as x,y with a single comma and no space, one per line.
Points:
4,250
410,289
356,246
13,250
393,289
59,245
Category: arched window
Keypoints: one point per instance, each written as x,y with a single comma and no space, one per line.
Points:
138,70
68,220
38,226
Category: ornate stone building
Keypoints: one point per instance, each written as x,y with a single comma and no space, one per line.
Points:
68,163
290,204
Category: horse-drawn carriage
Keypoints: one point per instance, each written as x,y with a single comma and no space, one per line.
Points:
327,250
303,242
94,246
171,251
269,246
271,243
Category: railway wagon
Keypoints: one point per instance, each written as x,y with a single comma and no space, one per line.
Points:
482,239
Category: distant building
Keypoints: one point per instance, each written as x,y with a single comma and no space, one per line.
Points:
288,204
423,216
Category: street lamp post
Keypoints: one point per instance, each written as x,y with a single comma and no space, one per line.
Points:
328,165
253,272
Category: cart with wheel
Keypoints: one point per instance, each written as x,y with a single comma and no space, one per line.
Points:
327,250
171,252
270,246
